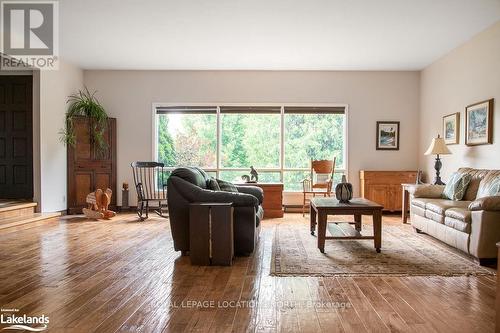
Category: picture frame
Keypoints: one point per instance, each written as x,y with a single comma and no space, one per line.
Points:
451,128
479,123
388,135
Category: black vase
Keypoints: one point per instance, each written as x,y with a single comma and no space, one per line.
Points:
343,191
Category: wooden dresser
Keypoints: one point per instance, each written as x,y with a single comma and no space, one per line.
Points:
273,198
384,187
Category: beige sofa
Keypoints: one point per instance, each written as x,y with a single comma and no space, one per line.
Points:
471,225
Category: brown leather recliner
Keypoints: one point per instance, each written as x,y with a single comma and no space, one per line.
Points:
190,184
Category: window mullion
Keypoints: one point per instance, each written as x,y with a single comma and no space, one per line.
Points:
219,142
282,143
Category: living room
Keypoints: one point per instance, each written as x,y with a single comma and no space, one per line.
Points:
193,166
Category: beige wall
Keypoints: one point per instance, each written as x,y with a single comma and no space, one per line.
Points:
371,96
468,74
55,87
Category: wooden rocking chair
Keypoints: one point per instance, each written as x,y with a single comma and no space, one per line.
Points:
150,184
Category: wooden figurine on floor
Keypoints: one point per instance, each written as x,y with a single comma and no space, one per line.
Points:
98,204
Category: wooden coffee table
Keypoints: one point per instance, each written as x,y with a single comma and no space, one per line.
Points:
322,207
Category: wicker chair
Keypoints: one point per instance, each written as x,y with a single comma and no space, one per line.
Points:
319,183
150,183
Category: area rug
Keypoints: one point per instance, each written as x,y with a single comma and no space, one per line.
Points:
404,253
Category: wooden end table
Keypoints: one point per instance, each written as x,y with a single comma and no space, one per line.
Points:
322,207
211,239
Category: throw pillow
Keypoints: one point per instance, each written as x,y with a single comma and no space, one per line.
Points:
494,188
456,187
212,184
226,186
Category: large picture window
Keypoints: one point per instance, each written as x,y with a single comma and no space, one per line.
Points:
278,141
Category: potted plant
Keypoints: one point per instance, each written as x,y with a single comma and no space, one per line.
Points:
84,103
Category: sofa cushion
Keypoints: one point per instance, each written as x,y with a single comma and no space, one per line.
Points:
421,202
194,175
457,224
226,186
439,206
456,186
418,210
458,219
437,217
426,191
488,184
476,176
461,214
212,184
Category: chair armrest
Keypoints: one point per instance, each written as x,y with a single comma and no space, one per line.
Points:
486,203
426,191
252,190
193,193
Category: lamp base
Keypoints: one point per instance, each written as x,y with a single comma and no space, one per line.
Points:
437,167
438,181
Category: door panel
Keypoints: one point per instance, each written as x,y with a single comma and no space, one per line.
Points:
397,197
378,194
82,140
83,180
102,180
16,137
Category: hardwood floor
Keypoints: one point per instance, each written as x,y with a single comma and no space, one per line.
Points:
123,276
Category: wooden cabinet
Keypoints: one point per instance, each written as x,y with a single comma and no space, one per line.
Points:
384,187
89,169
273,198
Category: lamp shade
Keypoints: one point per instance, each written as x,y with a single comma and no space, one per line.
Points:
438,147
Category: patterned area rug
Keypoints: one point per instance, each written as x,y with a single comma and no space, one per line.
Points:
404,253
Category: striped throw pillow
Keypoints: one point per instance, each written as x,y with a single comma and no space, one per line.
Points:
493,189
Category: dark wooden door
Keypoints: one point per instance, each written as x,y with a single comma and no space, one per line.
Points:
16,137
89,169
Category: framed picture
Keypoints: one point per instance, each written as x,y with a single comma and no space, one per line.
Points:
479,123
387,135
451,128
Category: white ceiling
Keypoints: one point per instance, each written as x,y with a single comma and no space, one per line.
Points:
268,34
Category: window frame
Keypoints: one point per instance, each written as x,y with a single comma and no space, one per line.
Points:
281,169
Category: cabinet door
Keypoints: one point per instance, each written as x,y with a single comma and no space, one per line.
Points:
378,194
396,197
102,179
84,182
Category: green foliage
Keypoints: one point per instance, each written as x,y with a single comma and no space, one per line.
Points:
166,150
185,140
313,136
251,139
84,103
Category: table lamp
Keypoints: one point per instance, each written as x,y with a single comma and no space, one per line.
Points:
438,147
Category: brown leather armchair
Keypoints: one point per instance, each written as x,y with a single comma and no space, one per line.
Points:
190,184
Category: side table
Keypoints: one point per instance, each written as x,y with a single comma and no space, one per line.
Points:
211,234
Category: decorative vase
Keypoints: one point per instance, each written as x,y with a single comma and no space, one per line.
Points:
343,190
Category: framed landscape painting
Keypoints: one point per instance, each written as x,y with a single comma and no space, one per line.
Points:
451,128
479,123
387,135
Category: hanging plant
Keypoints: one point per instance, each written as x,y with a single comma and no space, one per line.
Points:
84,103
